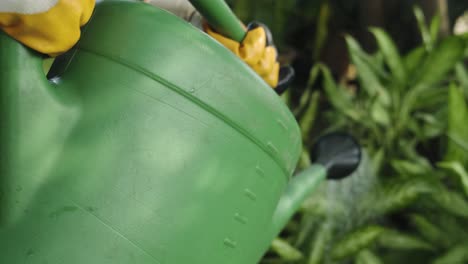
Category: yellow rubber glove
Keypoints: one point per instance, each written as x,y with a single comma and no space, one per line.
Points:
256,50
53,31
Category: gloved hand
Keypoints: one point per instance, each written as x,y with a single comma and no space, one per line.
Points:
51,32
258,51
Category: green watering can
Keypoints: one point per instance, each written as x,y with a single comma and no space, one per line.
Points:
150,144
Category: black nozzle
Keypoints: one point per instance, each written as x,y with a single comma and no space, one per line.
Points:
339,153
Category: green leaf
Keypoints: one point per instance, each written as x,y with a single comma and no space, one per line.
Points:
462,76
391,54
412,61
453,228
243,9
407,149
459,141
304,161
314,73
367,257
406,167
308,119
445,56
455,255
430,99
319,244
440,61
380,114
303,103
286,98
429,231
432,125
375,62
356,241
434,27
369,79
338,97
321,29
397,194
395,240
459,170
285,250
425,34
378,160
451,202
408,104
457,127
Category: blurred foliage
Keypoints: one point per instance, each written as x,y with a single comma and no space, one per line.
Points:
408,200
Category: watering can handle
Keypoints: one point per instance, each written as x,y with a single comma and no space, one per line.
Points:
221,18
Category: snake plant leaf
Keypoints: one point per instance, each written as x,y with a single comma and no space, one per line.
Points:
457,127
285,250
367,257
445,55
459,170
356,241
391,54
458,254
395,240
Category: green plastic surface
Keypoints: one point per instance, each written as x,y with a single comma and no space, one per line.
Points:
156,145
221,18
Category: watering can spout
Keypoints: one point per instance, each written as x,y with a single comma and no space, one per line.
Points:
297,191
335,155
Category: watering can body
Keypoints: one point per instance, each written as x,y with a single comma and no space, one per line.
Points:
154,145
